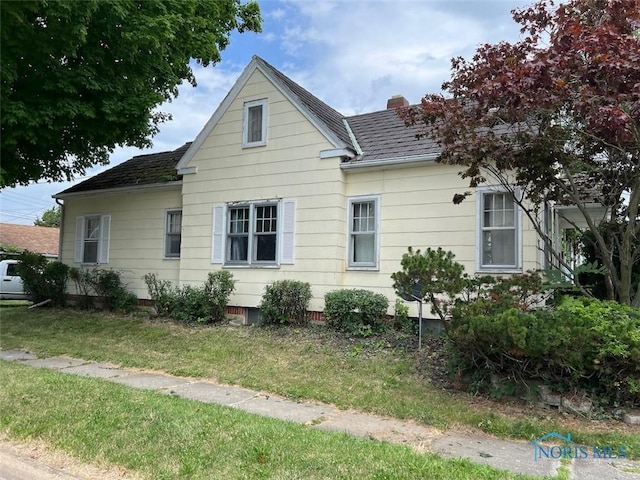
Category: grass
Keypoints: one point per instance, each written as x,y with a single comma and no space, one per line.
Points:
163,437
290,362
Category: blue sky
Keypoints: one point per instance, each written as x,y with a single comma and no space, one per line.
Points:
352,54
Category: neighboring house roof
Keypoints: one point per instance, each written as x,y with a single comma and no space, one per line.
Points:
365,138
42,240
149,169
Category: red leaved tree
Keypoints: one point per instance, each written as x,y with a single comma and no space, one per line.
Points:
554,117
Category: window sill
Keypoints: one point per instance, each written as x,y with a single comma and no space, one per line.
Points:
498,270
252,266
171,258
355,268
254,145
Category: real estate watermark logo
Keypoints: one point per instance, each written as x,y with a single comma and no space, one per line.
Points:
570,450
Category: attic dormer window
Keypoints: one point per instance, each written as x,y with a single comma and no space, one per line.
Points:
254,132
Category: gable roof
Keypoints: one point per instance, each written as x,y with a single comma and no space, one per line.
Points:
42,240
330,118
328,121
362,140
141,170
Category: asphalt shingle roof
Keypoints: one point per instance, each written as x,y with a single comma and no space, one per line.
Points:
146,169
383,135
332,119
42,240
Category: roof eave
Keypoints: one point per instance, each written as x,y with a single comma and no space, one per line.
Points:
406,161
120,190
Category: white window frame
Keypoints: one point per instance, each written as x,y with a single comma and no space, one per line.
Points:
246,127
102,240
167,233
252,233
285,233
351,263
481,193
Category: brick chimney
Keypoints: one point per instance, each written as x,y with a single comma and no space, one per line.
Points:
397,101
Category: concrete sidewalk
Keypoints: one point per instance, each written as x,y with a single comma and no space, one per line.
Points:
511,455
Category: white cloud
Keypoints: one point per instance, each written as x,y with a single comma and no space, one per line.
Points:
375,49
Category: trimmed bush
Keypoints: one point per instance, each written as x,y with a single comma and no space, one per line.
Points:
355,311
191,305
285,302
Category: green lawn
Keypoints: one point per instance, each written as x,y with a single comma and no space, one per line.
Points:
163,437
292,362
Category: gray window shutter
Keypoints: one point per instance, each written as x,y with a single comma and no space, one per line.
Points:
105,224
217,236
77,257
288,223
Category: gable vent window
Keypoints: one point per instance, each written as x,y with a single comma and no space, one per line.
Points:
254,132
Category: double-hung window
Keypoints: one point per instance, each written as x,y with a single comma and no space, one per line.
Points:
363,232
92,239
254,131
173,235
256,233
252,234
499,231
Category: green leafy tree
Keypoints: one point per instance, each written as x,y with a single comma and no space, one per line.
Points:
80,78
50,218
555,119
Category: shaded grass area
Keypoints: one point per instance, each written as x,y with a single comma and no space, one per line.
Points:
164,437
297,363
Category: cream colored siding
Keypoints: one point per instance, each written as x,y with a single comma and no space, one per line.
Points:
137,233
287,167
417,210
415,204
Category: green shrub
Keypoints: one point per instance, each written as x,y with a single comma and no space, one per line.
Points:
43,279
108,285
615,331
105,284
355,311
161,293
285,302
218,288
401,320
188,304
83,280
583,344
191,305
